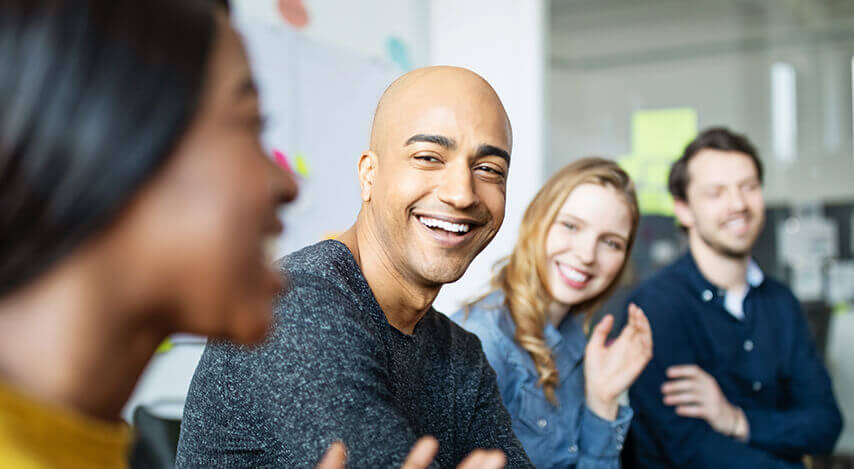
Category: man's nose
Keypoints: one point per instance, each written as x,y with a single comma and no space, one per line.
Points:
456,187
736,199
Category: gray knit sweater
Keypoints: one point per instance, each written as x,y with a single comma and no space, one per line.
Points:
335,369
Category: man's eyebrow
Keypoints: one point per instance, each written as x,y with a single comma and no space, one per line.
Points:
440,140
492,150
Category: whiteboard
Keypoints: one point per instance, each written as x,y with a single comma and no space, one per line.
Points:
319,101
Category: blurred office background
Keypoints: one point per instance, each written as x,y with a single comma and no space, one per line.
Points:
629,79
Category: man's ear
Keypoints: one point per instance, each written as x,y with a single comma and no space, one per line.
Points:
367,173
683,213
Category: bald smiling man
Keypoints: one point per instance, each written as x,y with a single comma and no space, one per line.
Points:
358,354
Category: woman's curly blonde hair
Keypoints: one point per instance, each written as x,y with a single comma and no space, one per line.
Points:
522,275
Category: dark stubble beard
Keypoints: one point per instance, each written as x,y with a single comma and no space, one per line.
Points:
726,251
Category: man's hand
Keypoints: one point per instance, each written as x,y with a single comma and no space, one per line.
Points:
335,457
419,457
610,369
696,394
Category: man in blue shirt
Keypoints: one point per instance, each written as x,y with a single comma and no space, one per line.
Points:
735,379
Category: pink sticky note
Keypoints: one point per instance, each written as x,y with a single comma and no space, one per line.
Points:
282,161
294,12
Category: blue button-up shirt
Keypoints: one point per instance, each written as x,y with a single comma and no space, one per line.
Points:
569,435
764,362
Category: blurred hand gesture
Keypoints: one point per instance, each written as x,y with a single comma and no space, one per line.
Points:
696,394
335,457
419,457
609,370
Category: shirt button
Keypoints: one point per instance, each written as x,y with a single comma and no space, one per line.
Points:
757,386
748,345
542,423
708,295
573,449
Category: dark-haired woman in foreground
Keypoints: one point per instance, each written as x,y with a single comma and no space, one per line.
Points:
135,201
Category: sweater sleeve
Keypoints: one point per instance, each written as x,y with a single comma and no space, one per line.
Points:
322,379
491,344
489,425
222,425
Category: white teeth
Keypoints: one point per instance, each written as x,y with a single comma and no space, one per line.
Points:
445,225
573,274
736,223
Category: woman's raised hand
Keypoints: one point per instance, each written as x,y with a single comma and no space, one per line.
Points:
609,369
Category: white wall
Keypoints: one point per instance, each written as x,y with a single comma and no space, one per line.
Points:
164,384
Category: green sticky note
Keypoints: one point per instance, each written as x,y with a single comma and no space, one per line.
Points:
663,133
164,346
650,178
631,164
302,165
658,138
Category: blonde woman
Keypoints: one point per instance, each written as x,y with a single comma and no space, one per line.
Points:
561,389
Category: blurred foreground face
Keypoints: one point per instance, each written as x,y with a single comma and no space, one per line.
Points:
587,243
201,225
724,207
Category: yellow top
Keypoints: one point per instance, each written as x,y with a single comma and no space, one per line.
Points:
36,435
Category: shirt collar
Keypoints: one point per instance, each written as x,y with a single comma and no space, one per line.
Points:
734,301
698,283
755,276
551,335
568,338
701,285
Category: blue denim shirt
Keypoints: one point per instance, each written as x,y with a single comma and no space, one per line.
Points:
569,435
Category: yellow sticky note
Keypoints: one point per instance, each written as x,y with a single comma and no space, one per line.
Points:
663,132
332,235
650,178
658,138
302,165
164,346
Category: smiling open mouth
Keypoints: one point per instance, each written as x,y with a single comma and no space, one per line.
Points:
571,276
458,229
738,225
